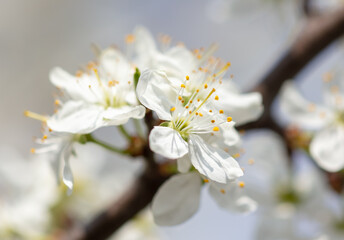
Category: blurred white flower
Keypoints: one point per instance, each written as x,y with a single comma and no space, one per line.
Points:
103,95
96,171
27,190
286,197
178,198
140,227
189,117
327,146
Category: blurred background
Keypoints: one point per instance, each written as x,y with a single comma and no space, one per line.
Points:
37,35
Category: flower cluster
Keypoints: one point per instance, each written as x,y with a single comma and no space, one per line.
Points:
197,106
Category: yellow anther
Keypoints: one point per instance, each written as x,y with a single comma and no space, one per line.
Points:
327,77
210,111
196,113
129,82
183,101
180,98
200,114
32,150
182,85
186,107
216,97
130,38
57,102
173,109
78,73
222,191
89,86
251,161
226,149
311,107
91,65
206,180
205,86
229,119
200,68
35,116
197,90
228,64
190,112
190,101
212,121
322,114
187,77
236,155
221,111
50,130
44,137
241,184
334,89
111,83
198,99
216,129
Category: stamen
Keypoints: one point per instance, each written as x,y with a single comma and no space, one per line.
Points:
212,121
35,116
187,77
32,150
216,97
216,129
241,184
130,38
182,86
251,161
57,102
229,119
206,180
221,111
180,98
222,191
173,109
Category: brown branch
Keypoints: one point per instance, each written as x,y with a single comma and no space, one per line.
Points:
319,32
136,198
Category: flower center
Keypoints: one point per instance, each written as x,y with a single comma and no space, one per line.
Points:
288,195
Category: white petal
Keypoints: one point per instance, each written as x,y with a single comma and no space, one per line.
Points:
327,148
232,198
302,112
242,108
144,42
118,116
177,199
67,176
184,163
155,92
76,117
167,142
214,163
74,89
115,64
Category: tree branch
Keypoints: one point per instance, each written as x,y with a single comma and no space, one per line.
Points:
319,32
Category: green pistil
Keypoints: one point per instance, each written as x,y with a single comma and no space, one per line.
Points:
289,196
179,129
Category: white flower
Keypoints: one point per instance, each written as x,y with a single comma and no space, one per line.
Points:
286,197
177,62
27,191
58,148
327,146
178,198
190,117
103,95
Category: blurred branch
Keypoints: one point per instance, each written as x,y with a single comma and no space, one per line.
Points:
306,7
136,198
319,32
